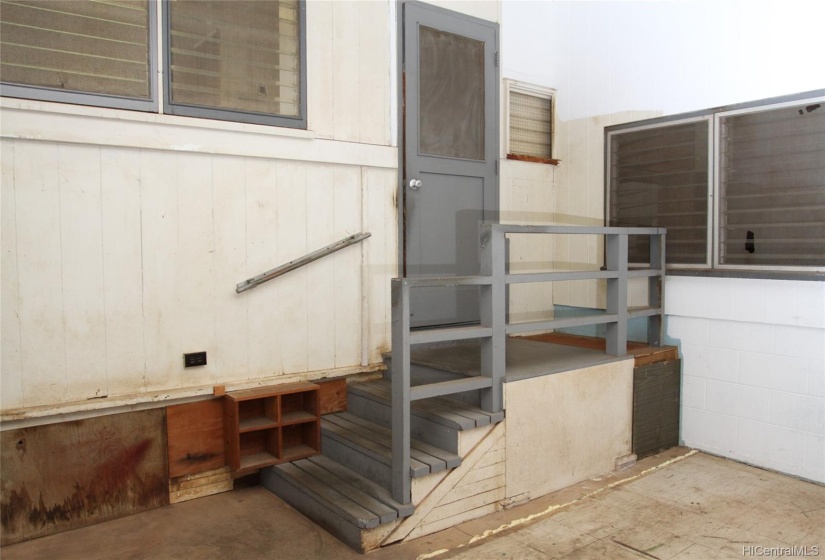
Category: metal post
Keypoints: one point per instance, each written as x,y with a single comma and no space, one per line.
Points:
400,383
493,315
656,289
616,258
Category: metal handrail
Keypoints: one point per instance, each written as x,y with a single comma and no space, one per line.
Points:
494,328
298,263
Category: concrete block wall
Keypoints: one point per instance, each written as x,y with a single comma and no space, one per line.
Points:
753,374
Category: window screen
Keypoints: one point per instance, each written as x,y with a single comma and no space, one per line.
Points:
241,56
772,186
88,46
530,125
659,178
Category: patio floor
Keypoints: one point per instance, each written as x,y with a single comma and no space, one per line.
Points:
679,504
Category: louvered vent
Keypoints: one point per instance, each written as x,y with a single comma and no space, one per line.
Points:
530,125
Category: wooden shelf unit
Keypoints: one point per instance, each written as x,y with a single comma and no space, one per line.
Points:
270,425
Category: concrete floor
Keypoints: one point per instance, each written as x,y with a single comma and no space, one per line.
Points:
680,504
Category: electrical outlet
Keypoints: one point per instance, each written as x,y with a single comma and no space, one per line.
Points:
194,359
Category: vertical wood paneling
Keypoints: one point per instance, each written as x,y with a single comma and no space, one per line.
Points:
37,200
346,72
320,231
262,254
195,312
292,244
348,270
380,258
320,65
122,270
11,388
84,313
374,53
159,213
231,356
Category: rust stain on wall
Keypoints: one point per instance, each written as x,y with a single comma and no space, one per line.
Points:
63,476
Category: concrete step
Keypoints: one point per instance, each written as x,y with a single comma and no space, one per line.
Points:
336,498
366,448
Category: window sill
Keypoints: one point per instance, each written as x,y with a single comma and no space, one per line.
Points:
813,276
533,159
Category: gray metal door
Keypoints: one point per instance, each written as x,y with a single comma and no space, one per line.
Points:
449,168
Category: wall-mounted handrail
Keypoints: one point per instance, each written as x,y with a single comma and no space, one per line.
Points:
297,263
494,327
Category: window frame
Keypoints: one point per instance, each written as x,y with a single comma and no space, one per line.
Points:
42,93
160,88
709,238
214,113
514,86
717,184
714,187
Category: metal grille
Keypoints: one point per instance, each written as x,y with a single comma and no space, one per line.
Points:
772,185
530,125
239,56
89,46
659,178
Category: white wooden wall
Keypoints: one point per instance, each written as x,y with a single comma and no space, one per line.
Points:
124,234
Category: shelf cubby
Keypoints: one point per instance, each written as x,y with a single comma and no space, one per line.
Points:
270,425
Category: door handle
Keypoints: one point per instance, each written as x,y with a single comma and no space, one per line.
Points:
415,184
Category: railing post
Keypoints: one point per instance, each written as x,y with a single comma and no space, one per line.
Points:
656,288
616,259
493,311
400,383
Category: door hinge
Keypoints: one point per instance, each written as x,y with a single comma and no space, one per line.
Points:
496,59
496,167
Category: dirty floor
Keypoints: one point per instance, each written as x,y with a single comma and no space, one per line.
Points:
679,504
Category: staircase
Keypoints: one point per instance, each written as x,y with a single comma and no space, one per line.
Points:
346,490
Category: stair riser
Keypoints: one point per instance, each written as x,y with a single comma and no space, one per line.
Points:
420,428
367,467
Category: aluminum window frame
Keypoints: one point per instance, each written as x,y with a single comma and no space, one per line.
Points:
514,86
214,113
717,180
41,93
709,232
714,267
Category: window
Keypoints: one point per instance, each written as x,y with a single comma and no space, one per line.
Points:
659,177
86,52
772,187
742,187
530,123
242,60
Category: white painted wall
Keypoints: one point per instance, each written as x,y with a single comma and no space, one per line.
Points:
754,369
752,350
124,234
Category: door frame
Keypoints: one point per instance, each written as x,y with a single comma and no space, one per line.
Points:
401,116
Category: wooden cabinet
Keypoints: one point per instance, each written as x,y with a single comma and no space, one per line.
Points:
269,425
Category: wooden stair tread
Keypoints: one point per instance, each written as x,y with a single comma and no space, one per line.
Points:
376,442
364,484
442,410
333,499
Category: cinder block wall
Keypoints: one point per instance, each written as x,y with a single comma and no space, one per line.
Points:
753,378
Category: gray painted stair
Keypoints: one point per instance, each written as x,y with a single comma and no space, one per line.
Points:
435,421
346,490
338,499
366,447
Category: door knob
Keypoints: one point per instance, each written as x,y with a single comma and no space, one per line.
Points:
415,184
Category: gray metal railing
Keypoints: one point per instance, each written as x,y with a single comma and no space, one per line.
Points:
494,328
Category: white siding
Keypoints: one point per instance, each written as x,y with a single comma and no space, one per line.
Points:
124,234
